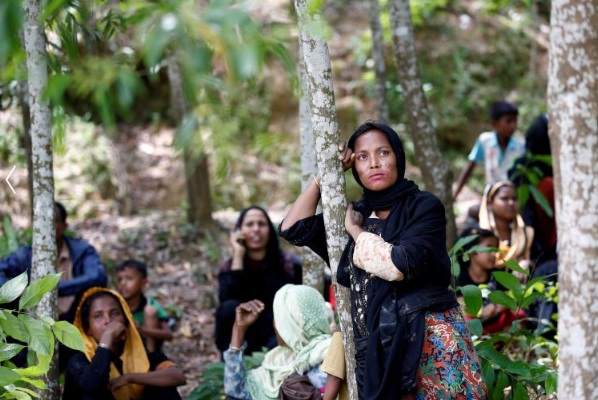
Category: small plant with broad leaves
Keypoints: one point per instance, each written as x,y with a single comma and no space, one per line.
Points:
517,363
211,386
21,331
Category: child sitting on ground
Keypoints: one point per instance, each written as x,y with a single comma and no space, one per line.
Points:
150,318
114,364
477,270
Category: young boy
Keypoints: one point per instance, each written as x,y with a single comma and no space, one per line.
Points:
149,316
497,149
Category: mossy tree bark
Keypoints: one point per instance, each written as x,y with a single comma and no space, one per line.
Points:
435,169
44,241
320,93
573,128
313,265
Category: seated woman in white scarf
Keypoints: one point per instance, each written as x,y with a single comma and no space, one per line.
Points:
303,332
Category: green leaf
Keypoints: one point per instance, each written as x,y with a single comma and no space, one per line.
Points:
473,299
520,392
500,297
8,376
69,335
13,288
551,383
41,339
21,393
488,372
9,350
488,351
519,368
542,201
37,383
515,267
528,300
501,383
34,293
475,327
13,327
509,281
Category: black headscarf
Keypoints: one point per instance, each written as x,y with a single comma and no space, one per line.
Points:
395,314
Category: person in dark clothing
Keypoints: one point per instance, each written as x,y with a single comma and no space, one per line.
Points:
257,269
115,365
398,270
76,259
538,163
476,269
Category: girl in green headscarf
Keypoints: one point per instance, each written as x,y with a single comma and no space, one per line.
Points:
301,320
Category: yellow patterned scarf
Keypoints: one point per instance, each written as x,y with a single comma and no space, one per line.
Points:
521,235
134,356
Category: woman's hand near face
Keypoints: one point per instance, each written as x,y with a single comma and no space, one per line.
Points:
346,155
353,222
114,333
237,239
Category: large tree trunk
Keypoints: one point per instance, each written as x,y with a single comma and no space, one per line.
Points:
435,169
573,110
320,92
196,169
313,265
44,242
379,62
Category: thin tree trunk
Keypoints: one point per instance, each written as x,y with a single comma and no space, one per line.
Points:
379,62
120,177
320,92
197,176
44,242
26,142
573,110
313,265
435,169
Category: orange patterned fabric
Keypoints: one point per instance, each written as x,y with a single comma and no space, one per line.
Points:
449,366
373,255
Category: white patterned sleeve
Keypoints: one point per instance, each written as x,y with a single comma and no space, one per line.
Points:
372,254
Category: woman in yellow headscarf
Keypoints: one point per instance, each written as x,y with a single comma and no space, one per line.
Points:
115,365
499,213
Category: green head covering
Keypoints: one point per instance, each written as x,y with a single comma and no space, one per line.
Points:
302,321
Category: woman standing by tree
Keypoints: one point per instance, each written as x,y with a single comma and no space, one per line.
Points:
410,336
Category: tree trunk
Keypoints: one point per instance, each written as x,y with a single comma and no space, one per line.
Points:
320,93
26,142
379,62
573,110
435,169
44,242
313,265
197,176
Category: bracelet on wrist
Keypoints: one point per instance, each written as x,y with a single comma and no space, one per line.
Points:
231,347
104,345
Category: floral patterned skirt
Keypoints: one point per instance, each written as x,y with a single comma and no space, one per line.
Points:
449,366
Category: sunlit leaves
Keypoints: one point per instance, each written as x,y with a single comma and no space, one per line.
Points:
34,293
12,289
68,335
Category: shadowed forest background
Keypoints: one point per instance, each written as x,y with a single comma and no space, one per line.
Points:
120,151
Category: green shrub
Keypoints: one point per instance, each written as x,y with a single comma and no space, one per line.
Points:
35,334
